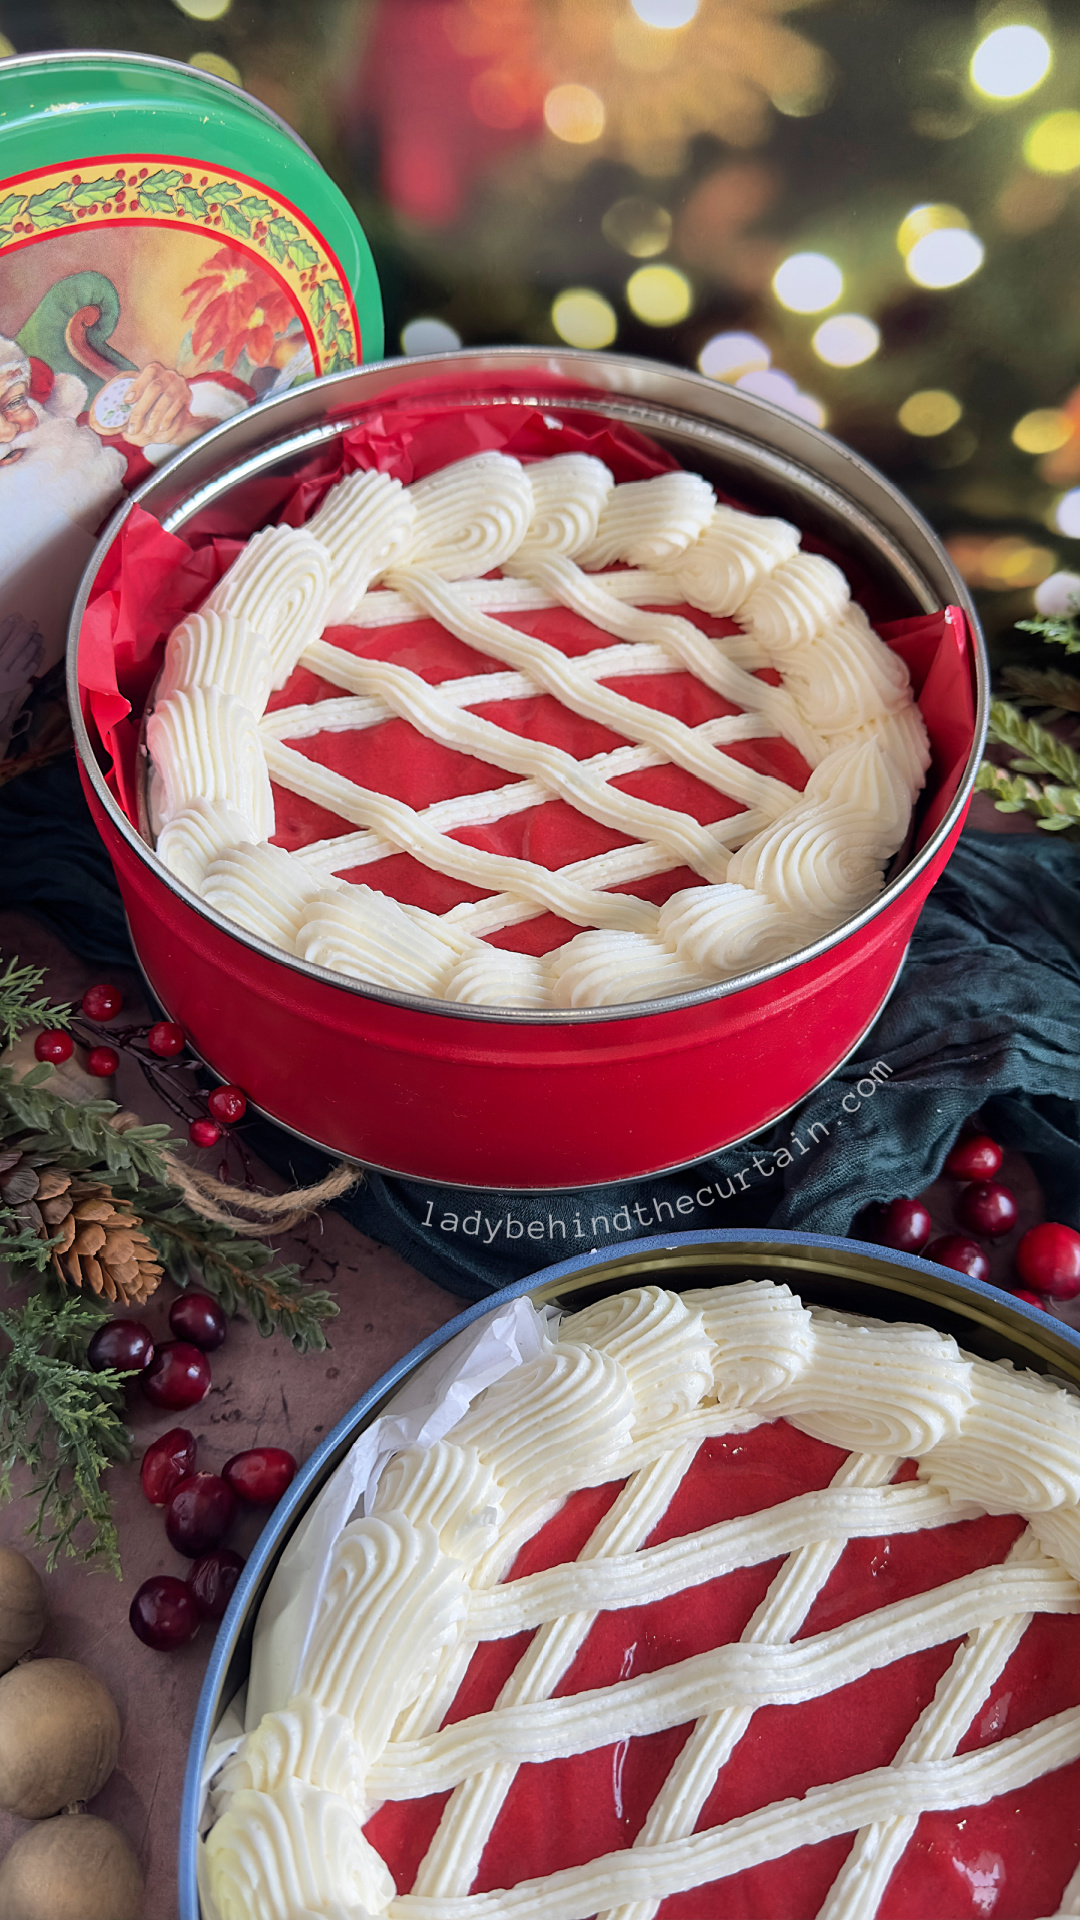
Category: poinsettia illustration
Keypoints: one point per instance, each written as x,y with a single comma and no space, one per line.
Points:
235,308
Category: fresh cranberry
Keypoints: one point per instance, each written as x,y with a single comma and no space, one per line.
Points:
54,1047
199,1513
166,1039
178,1376
198,1318
952,1250
227,1104
974,1157
261,1475
985,1207
905,1226
204,1133
1032,1299
167,1460
213,1581
124,1344
1048,1258
102,1002
103,1061
164,1613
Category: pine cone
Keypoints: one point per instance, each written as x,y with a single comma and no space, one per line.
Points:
106,1248
36,1192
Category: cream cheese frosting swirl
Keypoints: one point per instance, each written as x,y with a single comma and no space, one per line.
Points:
279,584
205,746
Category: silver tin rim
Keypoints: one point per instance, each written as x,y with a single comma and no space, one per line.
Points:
94,56
632,380
1052,1346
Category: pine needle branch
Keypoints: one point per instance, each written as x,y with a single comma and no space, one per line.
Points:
1030,686
239,1273
80,1134
1056,808
1061,630
1039,750
64,1424
18,1010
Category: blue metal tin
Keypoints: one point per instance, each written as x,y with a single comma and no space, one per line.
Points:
825,1271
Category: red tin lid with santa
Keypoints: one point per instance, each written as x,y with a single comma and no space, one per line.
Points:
170,253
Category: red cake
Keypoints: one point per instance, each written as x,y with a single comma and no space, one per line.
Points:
721,1607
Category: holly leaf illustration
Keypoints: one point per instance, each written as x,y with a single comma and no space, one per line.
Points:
40,203
221,193
328,332
165,180
334,288
52,217
155,199
233,222
91,193
193,203
256,208
279,236
321,305
9,208
302,255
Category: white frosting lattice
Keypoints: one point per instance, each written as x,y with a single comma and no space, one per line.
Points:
629,1390
776,875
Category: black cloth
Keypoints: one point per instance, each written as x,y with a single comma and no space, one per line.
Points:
985,1017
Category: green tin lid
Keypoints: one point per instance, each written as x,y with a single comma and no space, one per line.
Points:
170,253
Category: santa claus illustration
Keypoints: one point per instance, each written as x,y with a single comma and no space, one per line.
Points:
65,460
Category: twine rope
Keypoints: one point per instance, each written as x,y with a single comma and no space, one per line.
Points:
245,1209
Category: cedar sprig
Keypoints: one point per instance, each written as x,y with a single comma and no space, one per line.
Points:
1050,688
79,1134
1060,629
1037,749
240,1273
63,1424
18,1008
1056,808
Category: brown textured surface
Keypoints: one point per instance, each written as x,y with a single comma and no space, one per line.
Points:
262,1394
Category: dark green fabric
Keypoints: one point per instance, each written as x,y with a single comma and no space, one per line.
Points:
986,1016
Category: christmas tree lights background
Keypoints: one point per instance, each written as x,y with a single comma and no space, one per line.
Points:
864,210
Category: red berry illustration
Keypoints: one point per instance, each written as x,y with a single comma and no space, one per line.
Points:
204,1133
102,1061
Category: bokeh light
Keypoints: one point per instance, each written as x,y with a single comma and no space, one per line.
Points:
1010,62
780,388
204,9
933,217
216,63
1067,514
583,318
661,296
1002,562
728,355
930,412
846,340
1052,144
429,335
574,113
665,13
1059,593
808,282
945,257
637,226
1043,431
